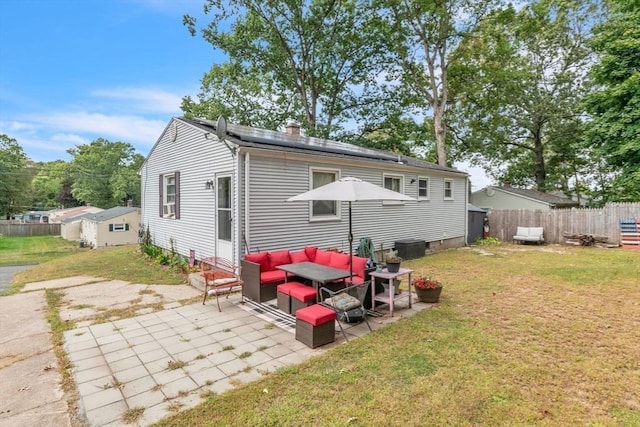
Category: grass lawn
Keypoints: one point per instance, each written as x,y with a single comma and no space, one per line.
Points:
523,335
34,249
58,258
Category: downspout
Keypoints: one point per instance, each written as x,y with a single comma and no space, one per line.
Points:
247,237
466,211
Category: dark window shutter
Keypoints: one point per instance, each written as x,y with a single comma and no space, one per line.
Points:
126,227
177,214
160,192
110,227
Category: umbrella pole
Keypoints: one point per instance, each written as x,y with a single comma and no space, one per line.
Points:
350,247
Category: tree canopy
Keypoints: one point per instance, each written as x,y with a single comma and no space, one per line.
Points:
15,177
312,61
614,109
518,90
105,173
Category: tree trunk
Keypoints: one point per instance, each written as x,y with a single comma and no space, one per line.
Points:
440,130
538,148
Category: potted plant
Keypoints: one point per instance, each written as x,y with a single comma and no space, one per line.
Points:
392,260
427,289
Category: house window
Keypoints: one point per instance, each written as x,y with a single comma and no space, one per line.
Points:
448,189
323,209
394,183
423,188
169,192
118,227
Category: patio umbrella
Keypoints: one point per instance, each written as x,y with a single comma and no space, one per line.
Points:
349,189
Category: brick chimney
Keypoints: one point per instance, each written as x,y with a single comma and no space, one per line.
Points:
292,128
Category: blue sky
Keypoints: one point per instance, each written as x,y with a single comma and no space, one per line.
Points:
75,70
72,71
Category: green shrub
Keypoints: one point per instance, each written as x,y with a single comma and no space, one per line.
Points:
489,241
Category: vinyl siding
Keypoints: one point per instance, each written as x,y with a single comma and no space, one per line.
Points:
502,200
198,159
276,224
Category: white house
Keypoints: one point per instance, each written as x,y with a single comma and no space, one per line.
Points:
213,189
116,226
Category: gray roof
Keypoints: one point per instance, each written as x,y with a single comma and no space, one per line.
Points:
556,201
474,208
76,218
245,136
110,213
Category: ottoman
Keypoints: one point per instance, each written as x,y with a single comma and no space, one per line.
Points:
302,297
315,325
284,292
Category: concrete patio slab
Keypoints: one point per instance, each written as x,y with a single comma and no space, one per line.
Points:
160,362
61,283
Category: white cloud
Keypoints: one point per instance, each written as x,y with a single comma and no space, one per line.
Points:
143,99
127,128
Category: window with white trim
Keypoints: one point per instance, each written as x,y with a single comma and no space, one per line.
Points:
448,189
423,187
118,227
394,183
324,209
169,192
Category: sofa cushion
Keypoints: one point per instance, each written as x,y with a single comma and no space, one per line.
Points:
278,258
311,253
339,260
273,276
259,258
322,257
300,256
359,265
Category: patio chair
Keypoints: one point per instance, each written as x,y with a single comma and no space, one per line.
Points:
348,303
219,274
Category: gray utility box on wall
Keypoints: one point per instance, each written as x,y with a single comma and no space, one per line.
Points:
411,248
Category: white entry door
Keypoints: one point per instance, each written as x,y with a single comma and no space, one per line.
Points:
224,217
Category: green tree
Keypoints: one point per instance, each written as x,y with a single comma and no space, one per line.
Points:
48,183
15,177
614,109
518,87
422,36
315,61
105,173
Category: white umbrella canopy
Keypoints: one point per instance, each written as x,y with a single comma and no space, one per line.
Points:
350,189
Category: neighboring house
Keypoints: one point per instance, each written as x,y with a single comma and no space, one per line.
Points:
41,217
59,215
70,228
507,197
113,227
211,189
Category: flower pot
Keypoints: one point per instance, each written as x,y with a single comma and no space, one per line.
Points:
429,295
393,267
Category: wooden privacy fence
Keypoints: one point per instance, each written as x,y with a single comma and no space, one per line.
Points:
557,222
29,229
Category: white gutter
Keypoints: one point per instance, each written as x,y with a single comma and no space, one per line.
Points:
247,237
